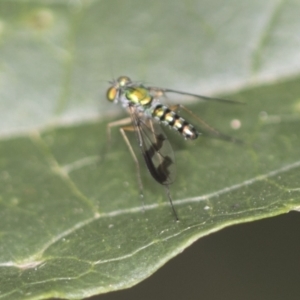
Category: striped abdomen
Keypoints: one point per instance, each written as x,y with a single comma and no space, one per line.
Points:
169,117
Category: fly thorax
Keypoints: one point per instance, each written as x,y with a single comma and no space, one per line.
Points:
138,96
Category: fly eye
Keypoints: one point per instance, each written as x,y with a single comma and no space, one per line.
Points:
111,94
124,80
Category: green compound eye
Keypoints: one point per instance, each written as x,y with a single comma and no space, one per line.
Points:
123,80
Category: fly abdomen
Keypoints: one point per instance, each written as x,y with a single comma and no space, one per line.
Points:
168,117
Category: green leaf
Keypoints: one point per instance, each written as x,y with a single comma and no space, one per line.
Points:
72,223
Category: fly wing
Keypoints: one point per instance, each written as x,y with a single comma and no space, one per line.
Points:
155,147
162,91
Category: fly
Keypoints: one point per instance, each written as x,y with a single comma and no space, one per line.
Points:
147,114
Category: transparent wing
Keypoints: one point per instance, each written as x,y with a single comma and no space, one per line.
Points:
162,91
156,148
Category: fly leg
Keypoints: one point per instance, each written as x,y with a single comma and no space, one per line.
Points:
167,189
122,129
118,123
137,164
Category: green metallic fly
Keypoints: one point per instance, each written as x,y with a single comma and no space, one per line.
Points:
147,113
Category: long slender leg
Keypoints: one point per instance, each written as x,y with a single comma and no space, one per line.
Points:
118,123
138,171
167,189
105,149
121,122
